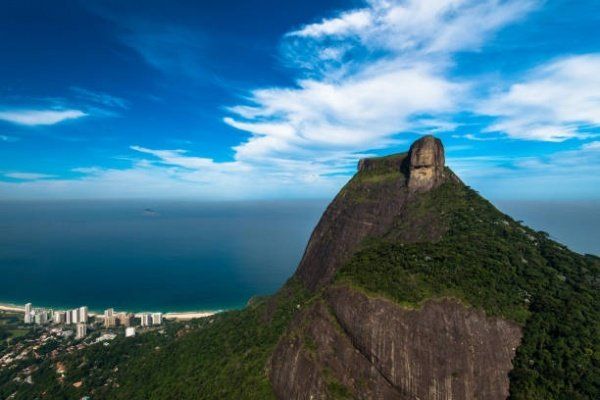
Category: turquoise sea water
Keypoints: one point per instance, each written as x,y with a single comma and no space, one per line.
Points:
177,256
144,255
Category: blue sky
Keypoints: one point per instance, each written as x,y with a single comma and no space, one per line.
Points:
264,99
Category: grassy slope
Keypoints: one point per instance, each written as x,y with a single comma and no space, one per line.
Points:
489,261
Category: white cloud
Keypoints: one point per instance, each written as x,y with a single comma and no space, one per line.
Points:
555,102
365,76
346,23
101,98
569,174
39,117
160,179
370,74
426,26
27,176
179,159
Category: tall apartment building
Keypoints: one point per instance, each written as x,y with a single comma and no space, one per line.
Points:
28,319
81,330
145,319
74,316
157,318
109,318
83,314
68,318
40,317
125,319
59,317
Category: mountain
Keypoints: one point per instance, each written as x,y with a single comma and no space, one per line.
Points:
412,286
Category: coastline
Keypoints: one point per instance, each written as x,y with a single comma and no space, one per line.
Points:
175,315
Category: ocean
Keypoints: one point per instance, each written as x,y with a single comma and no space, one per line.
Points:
150,255
184,256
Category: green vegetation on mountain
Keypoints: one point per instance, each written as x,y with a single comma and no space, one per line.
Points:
489,261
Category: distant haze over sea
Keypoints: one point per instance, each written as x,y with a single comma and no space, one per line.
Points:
178,256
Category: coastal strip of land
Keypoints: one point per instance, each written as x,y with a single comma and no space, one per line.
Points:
11,307
180,316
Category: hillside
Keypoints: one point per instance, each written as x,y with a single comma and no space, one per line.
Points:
411,286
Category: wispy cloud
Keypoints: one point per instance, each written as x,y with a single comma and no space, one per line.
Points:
560,175
366,75
30,117
556,101
8,139
28,176
100,98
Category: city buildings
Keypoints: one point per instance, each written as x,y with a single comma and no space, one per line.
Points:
109,318
59,317
125,319
28,314
83,314
40,317
81,330
80,317
145,319
157,318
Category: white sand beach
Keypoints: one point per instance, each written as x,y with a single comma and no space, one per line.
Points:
185,316
11,307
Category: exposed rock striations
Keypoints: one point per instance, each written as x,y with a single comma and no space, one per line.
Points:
350,345
426,168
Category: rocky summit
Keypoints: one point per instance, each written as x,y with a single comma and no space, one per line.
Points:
412,286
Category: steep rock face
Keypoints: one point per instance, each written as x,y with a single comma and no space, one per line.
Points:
370,205
372,347
426,169
379,350
315,359
442,351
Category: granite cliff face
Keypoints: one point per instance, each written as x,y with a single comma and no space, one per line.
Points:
350,345
378,350
370,205
426,167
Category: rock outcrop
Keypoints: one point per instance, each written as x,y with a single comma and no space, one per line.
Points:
376,349
370,205
426,167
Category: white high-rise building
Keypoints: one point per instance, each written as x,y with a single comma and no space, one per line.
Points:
156,318
40,317
58,317
81,330
130,331
75,316
83,314
109,318
28,314
145,319
68,318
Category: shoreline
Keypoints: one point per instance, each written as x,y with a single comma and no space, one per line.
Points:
175,315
